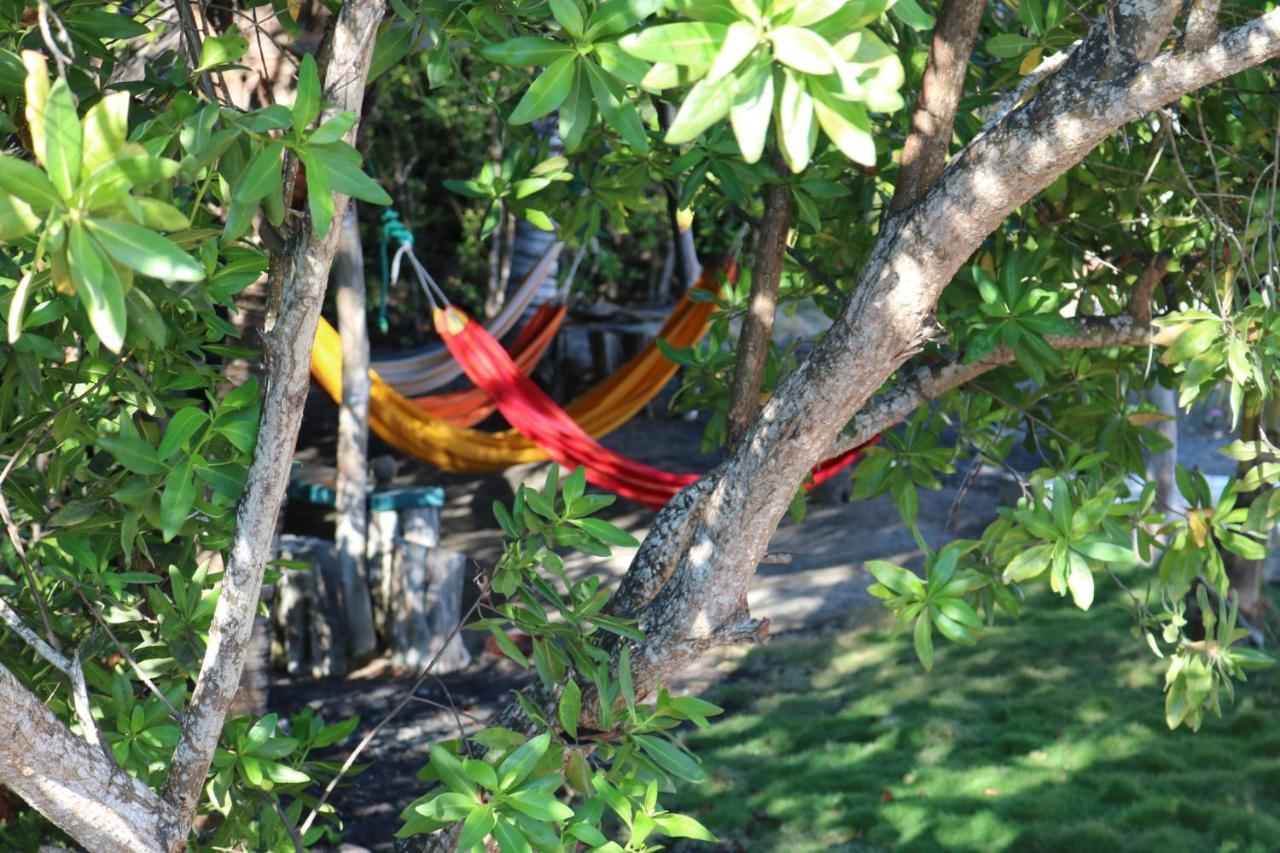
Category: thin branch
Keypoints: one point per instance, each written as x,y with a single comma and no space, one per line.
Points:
757,323
925,153
399,706
931,381
29,636
1202,24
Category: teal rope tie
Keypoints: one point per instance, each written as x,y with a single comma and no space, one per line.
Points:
392,229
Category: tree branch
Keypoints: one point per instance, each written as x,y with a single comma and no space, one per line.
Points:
757,323
1102,86
931,381
74,784
287,349
925,153
1202,24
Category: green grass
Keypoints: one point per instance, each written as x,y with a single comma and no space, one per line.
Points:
1049,735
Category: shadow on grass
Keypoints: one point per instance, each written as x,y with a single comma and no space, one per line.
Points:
1049,735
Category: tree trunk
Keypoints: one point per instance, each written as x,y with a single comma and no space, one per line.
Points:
757,323
74,784
302,272
353,442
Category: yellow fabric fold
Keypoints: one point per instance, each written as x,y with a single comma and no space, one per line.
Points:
605,407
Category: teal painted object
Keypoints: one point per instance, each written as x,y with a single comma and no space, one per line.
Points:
408,497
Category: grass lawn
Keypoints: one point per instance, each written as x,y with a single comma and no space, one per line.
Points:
1048,735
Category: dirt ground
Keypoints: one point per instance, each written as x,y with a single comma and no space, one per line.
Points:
822,588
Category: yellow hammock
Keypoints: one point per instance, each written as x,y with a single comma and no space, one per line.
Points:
610,404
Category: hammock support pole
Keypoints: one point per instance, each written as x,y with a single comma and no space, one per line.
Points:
351,533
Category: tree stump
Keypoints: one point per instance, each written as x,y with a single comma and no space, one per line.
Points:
426,608
309,610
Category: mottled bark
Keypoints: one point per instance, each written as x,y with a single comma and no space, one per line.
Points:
925,152
74,784
353,442
762,305
304,272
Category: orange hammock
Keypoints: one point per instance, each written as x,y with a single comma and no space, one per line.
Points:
470,406
605,407
528,408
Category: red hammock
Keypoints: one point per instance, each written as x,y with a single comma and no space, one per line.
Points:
528,408
470,406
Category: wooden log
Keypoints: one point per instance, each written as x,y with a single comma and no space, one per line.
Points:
353,443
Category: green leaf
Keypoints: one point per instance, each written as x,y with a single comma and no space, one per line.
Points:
618,111
576,112
540,806
1028,564
133,453
393,45
546,93
517,766
145,251
618,16
752,108
319,193
98,286
570,708
807,12
106,126
333,129
225,49
509,837
17,218
671,758
705,105
794,121
1106,552
923,639
846,124
449,769
910,13
476,827
568,15
526,51
804,50
63,141
1009,45
683,826
177,499
27,183
604,531
1079,581
739,41
481,772
306,103
182,426
342,162
693,43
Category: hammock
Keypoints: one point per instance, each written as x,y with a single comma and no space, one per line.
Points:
611,403
528,408
424,372
472,405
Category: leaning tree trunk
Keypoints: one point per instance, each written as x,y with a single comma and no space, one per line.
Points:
687,587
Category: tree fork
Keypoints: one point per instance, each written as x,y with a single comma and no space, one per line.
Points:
757,323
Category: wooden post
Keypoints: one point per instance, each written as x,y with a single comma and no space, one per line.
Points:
353,441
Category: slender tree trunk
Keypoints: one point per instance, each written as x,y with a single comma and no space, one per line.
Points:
925,153
1247,575
757,323
353,442
303,271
